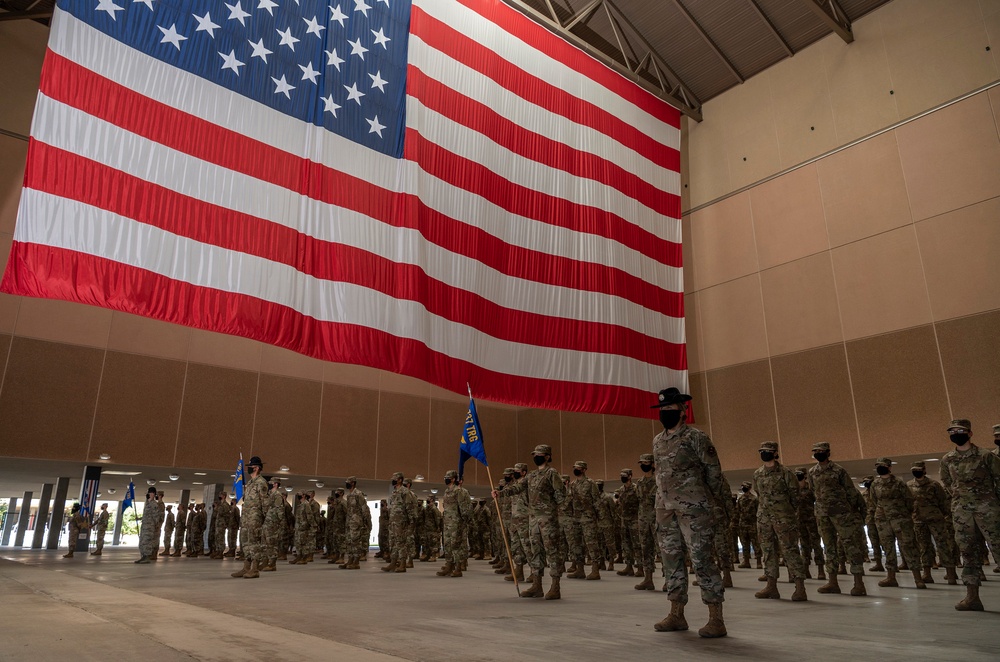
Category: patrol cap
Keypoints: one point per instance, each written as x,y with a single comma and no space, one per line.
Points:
769,446
565,477
255,461
745,483
868,478
339,491
962,424
919,465
451,473
646,458
520,466
579,464
275,480
626,472
996,429
883,462
600,483
508,470
151,490
398,475
670,396
352,479
821,446
800,470
542,449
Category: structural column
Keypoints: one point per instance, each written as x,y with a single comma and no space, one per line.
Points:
88,501
42,517
118,523
58,509
8,524
23,519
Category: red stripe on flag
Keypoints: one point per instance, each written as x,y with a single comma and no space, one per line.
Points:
67,175
43,271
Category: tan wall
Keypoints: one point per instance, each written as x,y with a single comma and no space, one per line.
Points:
855,299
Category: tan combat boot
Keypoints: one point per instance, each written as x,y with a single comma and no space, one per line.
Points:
950,576
769,592
647,583
890,580
820,571
572,568
674,621
859,586
627,571
918,580
878,567
832,586
353,564
927,578
800,591
715,626
595,573
270,566
578,573
503,569
518,574
242,571
746,562
446,570
553,592
68,555
535,590
457,572
400,566
254,571
727,578
971,601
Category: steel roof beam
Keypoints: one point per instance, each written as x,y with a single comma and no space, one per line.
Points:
833,16
770,25
708,40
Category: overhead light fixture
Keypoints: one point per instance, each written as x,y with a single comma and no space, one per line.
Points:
121,473
313,480
196,483
283,468
200,473
418,477
111,490
434,490
98,495
151,481
105,456
933,459
288,489
320,484
173,476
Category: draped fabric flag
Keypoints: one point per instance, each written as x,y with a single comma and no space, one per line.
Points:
238,480
442,189
471,444
129,500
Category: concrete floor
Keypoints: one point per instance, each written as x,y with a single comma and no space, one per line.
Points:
90,608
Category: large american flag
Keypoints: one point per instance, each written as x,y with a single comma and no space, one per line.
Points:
442,189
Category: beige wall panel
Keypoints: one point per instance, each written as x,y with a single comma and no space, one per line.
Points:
280,361
583,439
991,11
788,217
994,92
5,340
348,374
395,383
224,350
687,254
732,323
13,153
138,409
855,209
880,282
746,107
940,59
912,22
858,74
23,43
445,430
951,158
722,242
899,392
742,413
439,393
286,426
42,380
800,305
141,335
813,395
540,426
63,322
348,431
695,355
698,390
626,439
708,151
9,305
500,430
960,252
970,354
403,433
754,155
217,418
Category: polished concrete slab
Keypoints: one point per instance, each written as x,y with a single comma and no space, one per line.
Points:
190,609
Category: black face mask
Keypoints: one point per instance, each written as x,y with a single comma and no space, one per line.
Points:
800,476
646,468
447,481
744,489
348,485
508,479
996,441
394,483
917,474
577,472
882,471
821,457
539,460
766,456
866,484
669,418
959,438
624,479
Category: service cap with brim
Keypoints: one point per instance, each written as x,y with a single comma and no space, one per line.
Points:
670,396
960,424
919,465
745,483
600,483
520,466
626,472
508,470
255,461
821,446
646,458
996,429
398,475
800,470
542,449
352,479
451,474
883,462
579,464
769,446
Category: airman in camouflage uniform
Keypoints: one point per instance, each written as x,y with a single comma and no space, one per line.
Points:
809,540
305,531
336,527
286,544
221,519
586,499
688,485
840,510
456,505
571,538
255,504
273,528
520,543
777,522
402,509
971,475
384,552
161,515
545,493
502,565
149,532
645,489
354,505
433,521
101,528
893,504
168,530
199,522
931,510
606,515
77,522
235,522
724,511
871,525
628,501
746,524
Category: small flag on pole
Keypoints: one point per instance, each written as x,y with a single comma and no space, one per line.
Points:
238,480
129,500
471,444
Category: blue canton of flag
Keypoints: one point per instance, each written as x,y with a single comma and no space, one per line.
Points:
129,499
471,444
339,64
238,480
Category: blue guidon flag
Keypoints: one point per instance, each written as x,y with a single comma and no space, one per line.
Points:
129,500
238,480
471,444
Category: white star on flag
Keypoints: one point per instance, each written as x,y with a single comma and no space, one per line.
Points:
236,12
287,39
231,62
205,24
259,50
353,94
385,1
381,39
110,7
333,58
308,73
148,3
282,87
337,15
314,27
375,126
171,36
359,5
357,48
377,81
329,106
268,5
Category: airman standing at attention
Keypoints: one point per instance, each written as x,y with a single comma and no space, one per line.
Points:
149,531
586,499
180,528
893,503
777,522
628,501
840,511
168,529
77,522
273,529
455,507
808,531
101,528
545,493
871,525
161,514
221,519
520,543
931,509
255,504
402,507
354,505
646,491
746,518
234,529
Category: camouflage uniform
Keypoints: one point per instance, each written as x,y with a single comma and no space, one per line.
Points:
777,518
273,529
366,515
354,506
645,489
149,532
286,544
221,520
336,526
100,529
319,522
724,511
628,501
383,530
168,531
402,509
893,503
432,530
517,492
870,524
570,543
586,499
235,521
808,531
545,494
607,510
746,524
76,524
839,512
199,520
931,510
305,528
255,504
456,506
